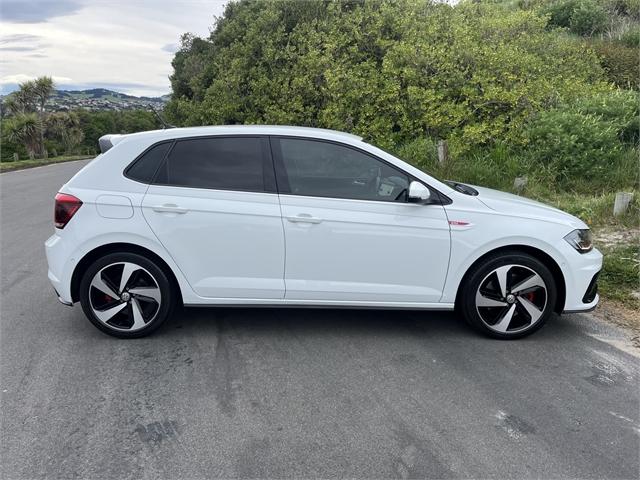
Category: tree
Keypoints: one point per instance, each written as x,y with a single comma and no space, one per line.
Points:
65,128
31,97
26,129
42,90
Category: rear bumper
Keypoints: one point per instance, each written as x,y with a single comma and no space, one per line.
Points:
58,273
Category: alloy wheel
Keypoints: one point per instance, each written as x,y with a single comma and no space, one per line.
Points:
124,296
511,299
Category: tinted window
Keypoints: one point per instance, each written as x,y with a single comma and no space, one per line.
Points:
146,166
218,163
325,169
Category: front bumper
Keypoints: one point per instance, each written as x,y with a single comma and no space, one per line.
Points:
581,279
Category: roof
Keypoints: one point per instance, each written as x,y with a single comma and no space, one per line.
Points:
107,141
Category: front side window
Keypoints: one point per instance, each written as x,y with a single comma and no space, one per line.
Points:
323,169
225,163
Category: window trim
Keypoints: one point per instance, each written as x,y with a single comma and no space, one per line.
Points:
268,172
282,176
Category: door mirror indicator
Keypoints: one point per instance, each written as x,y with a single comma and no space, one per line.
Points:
418,193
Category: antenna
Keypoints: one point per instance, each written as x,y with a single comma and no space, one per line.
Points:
159,117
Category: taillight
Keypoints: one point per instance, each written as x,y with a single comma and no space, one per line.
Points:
65,208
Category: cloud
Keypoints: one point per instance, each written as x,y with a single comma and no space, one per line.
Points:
36,11
20,42
19,38
170,48
20,78
18,48
125,45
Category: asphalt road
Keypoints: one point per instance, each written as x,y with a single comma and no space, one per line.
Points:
249,393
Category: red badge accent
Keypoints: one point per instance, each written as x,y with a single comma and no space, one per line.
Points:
458,223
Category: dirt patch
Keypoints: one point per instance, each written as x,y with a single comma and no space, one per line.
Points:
621,315
612,238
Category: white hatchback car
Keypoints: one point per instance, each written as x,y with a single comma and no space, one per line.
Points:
292,216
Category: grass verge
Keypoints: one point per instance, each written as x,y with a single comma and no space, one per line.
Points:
38,162
619,280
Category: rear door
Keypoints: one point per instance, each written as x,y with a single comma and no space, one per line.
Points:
214,207
350,233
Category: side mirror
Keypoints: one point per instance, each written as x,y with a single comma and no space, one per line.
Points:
418,193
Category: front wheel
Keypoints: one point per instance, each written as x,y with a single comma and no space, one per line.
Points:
126,295
508,296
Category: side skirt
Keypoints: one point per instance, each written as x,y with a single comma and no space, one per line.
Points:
278,303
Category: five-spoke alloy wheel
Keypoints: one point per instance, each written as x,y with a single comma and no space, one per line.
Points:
509,295
126,295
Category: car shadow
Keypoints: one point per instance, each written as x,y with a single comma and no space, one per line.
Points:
317,322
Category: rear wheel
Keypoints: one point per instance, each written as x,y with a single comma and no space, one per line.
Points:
508,296
126,295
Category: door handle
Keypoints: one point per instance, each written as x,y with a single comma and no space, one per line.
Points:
304,218
169,208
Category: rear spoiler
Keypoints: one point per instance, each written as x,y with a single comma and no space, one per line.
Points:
107,141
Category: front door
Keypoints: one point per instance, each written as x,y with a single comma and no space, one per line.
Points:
350,233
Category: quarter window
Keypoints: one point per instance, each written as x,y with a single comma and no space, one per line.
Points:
145,167
218,163
324,169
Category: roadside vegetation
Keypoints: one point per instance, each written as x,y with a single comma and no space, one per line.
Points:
30,135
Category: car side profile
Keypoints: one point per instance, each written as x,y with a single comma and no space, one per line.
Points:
294,216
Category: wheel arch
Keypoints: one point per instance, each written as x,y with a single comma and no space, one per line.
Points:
540,255
120,247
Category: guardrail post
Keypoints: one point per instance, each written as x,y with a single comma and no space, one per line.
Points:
621,205
443,151
519,183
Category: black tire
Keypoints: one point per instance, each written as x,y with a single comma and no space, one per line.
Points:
148,276
482,283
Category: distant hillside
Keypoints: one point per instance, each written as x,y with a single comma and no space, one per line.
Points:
101,99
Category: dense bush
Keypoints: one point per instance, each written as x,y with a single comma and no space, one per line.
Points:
513,94
583,17
575,145
619,109
621,63
390,71
96,124
631,38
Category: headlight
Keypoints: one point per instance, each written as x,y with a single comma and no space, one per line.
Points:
581,240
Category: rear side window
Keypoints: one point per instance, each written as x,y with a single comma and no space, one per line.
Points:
225,163
146,166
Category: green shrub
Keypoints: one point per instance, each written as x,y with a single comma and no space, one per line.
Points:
583,17
620,108
627,8
422,153
631,38
620,273
574,145
620,63
494,167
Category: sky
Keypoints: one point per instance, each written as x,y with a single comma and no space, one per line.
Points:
123,45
